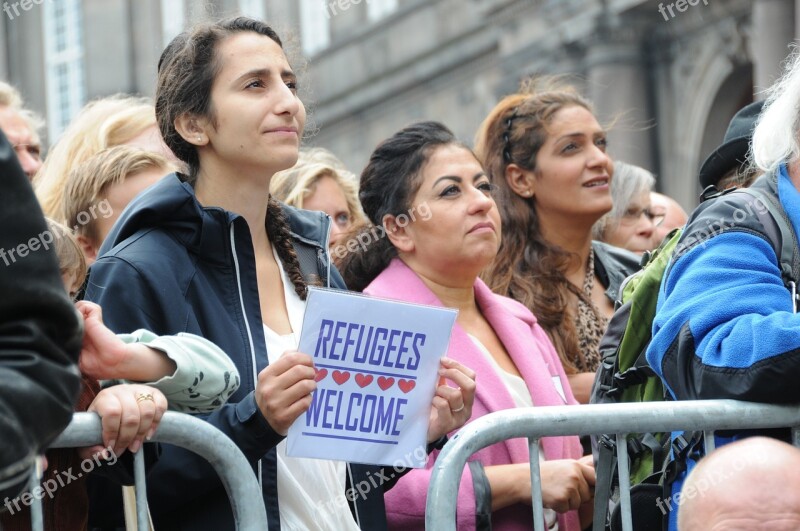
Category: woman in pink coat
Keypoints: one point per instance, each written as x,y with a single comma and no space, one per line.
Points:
429,195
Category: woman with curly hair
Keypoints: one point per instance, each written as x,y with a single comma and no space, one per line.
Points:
546,152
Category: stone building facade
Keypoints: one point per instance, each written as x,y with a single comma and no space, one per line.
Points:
668,75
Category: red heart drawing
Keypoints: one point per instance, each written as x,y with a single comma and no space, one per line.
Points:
363,380
340,377
385,383
321,374
406,385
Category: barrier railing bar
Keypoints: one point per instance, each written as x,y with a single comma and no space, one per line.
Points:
624,481
37,517
536,484
594,419
708,441
201,438
140,488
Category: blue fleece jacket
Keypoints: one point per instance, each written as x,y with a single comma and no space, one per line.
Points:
726,299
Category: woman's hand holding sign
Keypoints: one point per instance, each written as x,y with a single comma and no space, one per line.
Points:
284,389
451,407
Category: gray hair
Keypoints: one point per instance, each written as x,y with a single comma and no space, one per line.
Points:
10,97
775,139
628,183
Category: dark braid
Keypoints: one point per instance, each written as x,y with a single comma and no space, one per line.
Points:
281,238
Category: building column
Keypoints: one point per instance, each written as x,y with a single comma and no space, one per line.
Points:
617,86
147,42
4,47
773,32
26,57
797,20
108,58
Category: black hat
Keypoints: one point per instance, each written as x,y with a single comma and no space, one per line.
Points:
733,151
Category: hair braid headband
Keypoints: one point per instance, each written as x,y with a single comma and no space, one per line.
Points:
507,136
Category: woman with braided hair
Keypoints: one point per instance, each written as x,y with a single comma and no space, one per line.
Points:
212,254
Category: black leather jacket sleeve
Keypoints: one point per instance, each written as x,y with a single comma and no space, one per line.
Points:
40,331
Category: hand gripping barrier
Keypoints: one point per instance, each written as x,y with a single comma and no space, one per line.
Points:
187,432
595,419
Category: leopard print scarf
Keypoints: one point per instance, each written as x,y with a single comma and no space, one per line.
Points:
590,324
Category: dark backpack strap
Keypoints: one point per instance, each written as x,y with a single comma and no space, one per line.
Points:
650,441
637,374
483,496
784,241
604,482
682,448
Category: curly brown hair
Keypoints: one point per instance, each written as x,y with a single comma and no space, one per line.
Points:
528,268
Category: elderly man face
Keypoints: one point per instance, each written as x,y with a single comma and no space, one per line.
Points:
22,138
673,215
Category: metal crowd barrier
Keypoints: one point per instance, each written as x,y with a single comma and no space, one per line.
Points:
595,419
187,432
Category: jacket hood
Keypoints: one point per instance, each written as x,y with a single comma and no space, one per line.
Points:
171,205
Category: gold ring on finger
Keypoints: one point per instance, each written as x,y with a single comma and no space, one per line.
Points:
141,397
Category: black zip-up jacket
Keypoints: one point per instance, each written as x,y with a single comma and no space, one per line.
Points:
40,331
612,266
171,265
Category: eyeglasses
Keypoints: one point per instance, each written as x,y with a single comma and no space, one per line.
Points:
632,216
33,150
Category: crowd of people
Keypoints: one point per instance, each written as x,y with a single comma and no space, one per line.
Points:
188,231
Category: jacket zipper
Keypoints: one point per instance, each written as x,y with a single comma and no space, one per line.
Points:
355,500
247,326
326,250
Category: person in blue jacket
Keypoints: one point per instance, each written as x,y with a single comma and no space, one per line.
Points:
725,325
212,254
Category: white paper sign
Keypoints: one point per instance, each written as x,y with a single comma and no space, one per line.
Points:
377,365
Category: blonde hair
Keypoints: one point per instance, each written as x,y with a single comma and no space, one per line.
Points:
88,181
101,124
10,96
294,185
71,261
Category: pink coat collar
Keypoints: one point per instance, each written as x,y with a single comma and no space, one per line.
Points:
526,343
